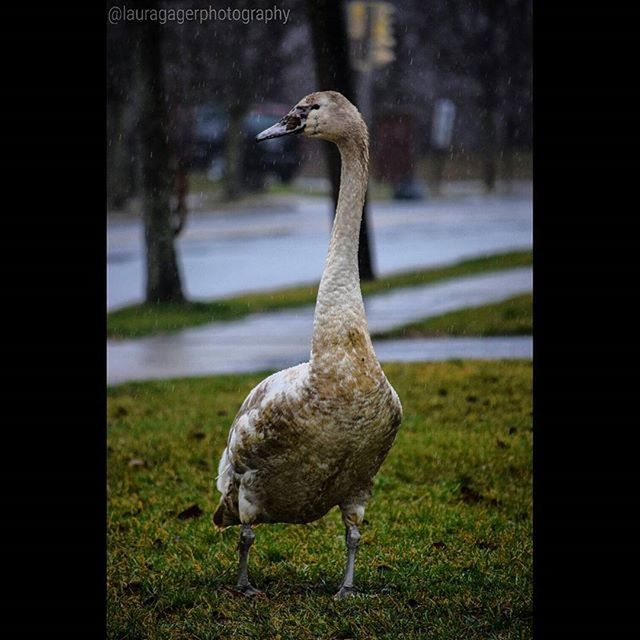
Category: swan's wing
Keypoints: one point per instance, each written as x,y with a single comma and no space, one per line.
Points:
264,411
395,399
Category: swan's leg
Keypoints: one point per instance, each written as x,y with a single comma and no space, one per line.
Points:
244,544
353,541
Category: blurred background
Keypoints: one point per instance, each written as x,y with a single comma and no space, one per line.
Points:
226,80
198,212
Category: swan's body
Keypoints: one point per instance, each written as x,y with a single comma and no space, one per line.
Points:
294,453
313,436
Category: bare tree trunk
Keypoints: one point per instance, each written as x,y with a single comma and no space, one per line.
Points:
163,277
509,150
118,184
233,178
517,16
438,159
490,99
333,70
489,169
181,193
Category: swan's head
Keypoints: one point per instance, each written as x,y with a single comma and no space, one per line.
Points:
327,115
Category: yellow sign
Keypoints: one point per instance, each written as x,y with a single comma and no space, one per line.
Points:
371,33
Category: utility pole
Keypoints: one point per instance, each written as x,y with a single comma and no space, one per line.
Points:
333,68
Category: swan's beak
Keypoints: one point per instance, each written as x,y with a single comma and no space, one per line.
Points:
293,122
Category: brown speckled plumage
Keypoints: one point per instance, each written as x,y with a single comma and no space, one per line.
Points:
313,436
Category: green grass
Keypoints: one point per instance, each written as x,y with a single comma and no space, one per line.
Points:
150,319
212,193
446,551
200,183
377,190
464,165
511,317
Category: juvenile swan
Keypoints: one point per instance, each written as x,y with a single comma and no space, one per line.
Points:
313,436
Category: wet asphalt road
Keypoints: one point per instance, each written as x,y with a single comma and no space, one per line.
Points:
284,242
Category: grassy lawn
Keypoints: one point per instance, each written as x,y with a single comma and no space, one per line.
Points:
210,191
149,319
377,190
463,165
446,551
511,317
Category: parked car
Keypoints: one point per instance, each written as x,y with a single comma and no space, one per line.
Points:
209,131
280,157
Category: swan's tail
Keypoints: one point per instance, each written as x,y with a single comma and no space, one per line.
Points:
227,512
225,515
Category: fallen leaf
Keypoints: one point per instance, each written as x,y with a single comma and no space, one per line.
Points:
219,617
132,587
469,495
485,544
137,462
194,511
238,594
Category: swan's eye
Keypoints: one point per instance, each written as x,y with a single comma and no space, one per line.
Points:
315,106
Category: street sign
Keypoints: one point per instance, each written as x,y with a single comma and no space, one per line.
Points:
444,112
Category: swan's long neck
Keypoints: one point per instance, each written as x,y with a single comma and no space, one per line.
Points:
340,330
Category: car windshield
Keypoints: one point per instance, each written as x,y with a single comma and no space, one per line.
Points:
257,122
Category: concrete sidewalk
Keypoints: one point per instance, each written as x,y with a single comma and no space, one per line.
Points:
280,339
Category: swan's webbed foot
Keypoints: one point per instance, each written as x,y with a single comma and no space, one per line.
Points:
249,591
345,592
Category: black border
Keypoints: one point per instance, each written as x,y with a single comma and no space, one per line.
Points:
585,496
54,490
585,350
